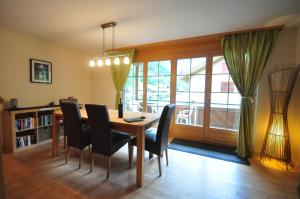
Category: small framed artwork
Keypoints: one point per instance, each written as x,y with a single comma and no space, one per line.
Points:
40,71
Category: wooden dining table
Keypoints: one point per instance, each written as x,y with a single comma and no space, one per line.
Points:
135,128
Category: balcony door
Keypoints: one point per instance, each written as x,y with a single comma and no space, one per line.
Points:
207,101
190,98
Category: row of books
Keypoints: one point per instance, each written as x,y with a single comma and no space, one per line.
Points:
24,141
30,122
25,123
45,120
44,134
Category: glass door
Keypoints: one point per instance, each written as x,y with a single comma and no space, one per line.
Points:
224,105
207,101
190,98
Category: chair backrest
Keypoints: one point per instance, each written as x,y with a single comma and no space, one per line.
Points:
72,100
164,126
99,122
73,123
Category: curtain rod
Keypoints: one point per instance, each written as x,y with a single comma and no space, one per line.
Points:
252,30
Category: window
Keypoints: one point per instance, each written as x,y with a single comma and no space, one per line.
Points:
227,86
158,85
225,98
133,90
190,91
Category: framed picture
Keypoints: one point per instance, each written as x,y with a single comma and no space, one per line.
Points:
40,71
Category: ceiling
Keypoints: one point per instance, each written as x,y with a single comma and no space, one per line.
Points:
75,23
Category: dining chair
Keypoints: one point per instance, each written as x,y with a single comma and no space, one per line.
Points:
78,134
74,100
156,139
104,141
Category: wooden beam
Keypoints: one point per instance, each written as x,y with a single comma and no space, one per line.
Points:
203,38
186,47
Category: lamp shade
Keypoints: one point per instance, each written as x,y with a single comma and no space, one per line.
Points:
108,61
117,61
92,63
100,62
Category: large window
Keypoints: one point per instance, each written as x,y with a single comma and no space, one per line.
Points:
225,98
158,85
133,90
190,91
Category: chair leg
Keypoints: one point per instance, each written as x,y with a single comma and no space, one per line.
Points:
68,154
130,152
108,162
159,165
65,142
167,158
92,163
89,148
150,155
80,158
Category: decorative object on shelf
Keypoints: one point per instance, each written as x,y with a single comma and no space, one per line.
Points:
40,71
120,109
276,144
106,57
13,103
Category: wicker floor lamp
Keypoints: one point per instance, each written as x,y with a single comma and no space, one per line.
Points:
276,144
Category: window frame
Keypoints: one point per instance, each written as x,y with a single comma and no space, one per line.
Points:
146,104
189,91
135,91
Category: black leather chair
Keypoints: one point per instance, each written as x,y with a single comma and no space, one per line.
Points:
78,134
156,140
73,100
104,141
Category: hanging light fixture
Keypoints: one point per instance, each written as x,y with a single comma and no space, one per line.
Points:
112,56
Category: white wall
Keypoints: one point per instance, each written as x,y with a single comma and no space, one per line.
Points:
71,74
103,89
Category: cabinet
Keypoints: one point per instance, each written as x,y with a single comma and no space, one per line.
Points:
27,127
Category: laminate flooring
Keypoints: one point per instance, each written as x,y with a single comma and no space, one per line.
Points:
34,174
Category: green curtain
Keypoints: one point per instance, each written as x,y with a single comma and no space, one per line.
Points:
246,55
120,73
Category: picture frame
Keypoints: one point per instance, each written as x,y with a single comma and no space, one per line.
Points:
40,71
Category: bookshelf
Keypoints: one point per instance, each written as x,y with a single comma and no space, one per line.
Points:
27,127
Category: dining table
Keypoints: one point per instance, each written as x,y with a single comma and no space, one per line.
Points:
133,128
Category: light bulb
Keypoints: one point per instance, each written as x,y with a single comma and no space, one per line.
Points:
126,60
99,62
108,62
117,61
92,63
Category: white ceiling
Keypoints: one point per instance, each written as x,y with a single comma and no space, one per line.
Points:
75,23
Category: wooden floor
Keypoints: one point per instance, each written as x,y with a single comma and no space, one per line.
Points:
34,174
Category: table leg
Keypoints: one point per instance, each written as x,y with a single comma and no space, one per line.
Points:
54,132
140,157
